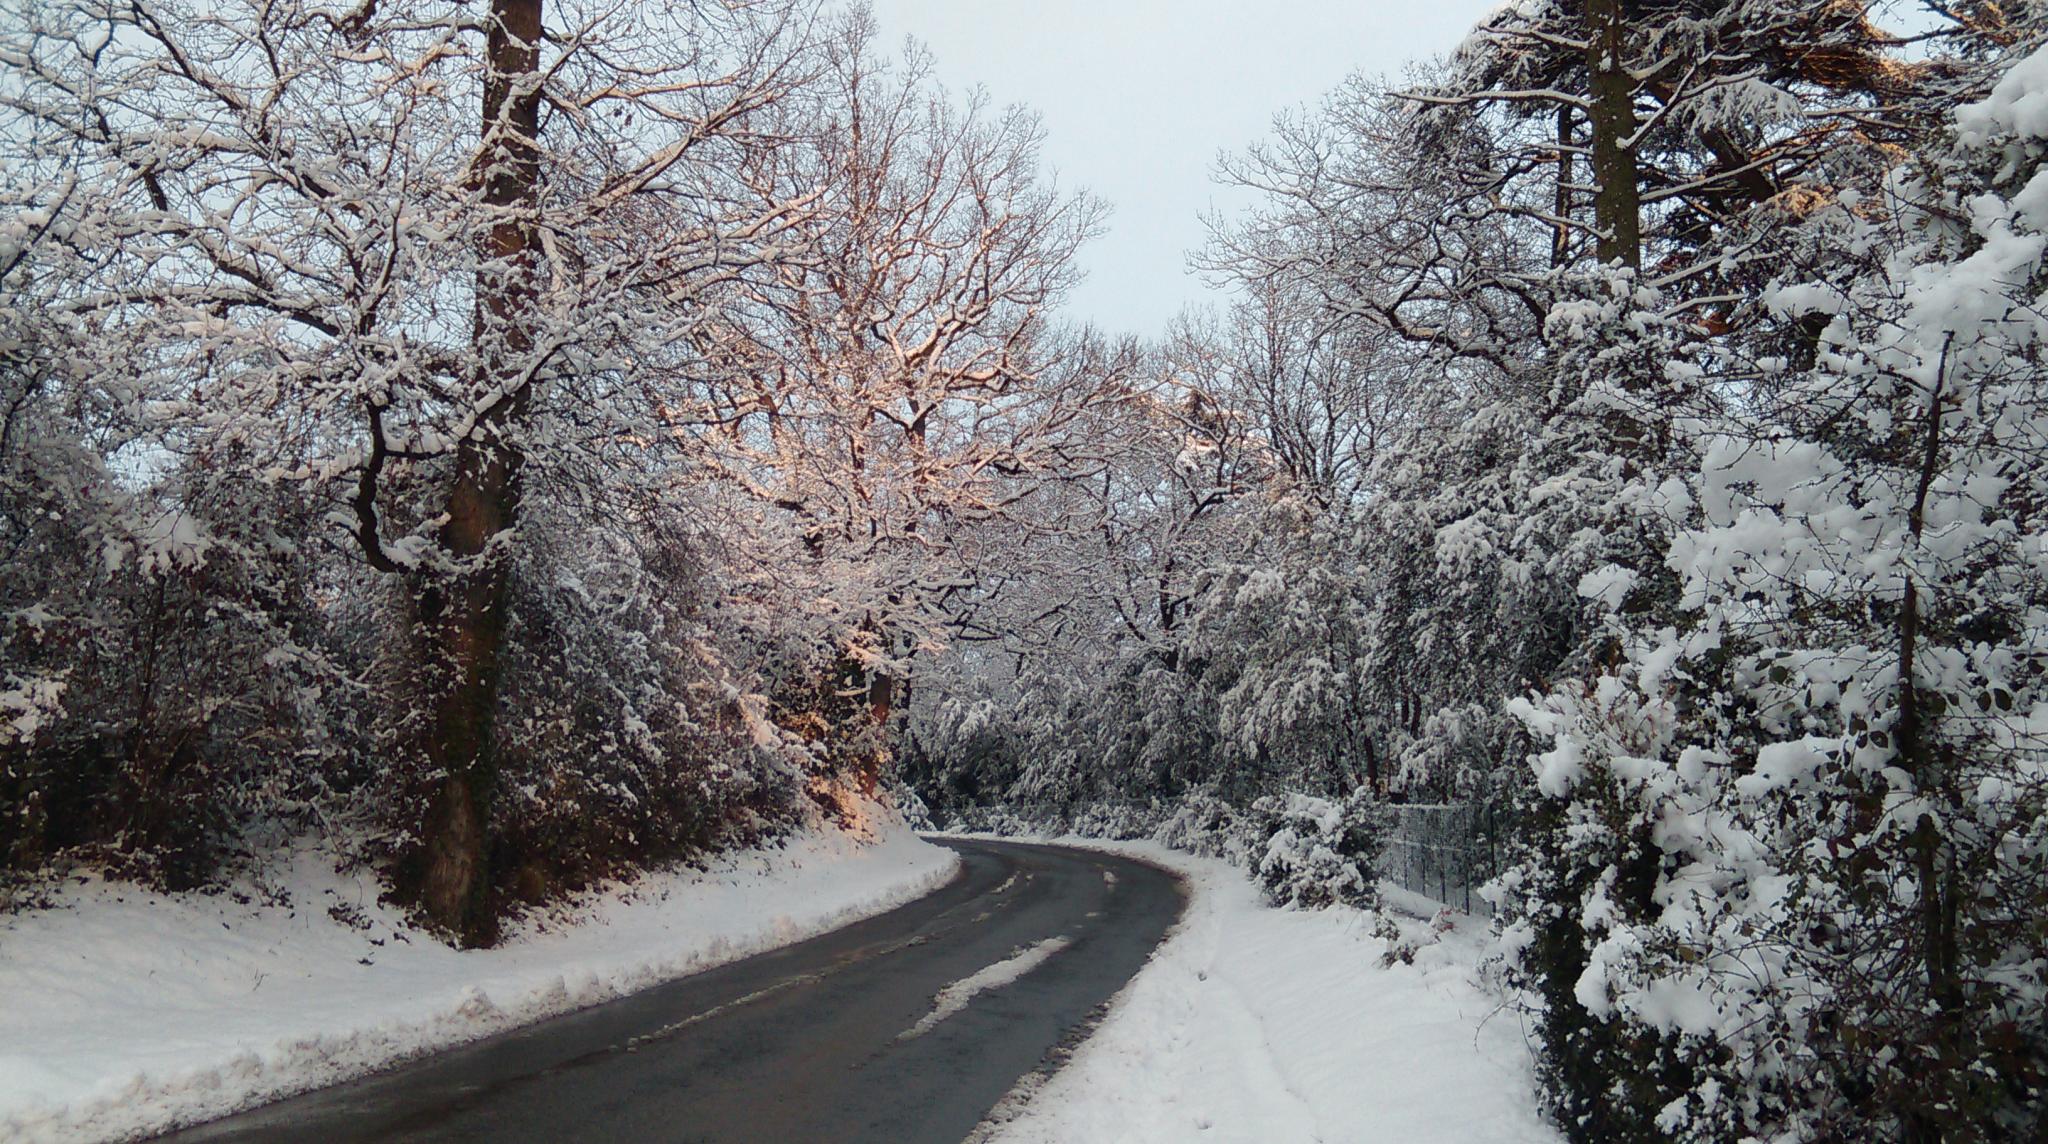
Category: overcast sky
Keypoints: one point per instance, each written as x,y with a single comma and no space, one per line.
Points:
1139,96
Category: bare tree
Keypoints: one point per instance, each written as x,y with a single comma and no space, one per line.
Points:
903,380
419,262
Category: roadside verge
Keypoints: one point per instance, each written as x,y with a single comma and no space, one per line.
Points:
129,1012
1252,1024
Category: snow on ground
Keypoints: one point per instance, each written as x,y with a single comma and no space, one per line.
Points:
953,998
124,1012
1266,1026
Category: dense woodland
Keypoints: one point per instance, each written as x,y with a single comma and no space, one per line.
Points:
516,444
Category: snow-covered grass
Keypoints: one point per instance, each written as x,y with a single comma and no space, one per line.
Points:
124,1012
1266,1026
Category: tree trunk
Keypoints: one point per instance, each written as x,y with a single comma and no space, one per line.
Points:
462,611
1561,230
1923,758
1617,197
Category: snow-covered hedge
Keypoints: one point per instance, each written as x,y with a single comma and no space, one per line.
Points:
1204,825
1316,852
1787,877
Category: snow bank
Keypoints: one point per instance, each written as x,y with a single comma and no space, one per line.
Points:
1279,1026
127,1012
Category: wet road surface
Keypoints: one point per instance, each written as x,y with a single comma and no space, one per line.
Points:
840,1038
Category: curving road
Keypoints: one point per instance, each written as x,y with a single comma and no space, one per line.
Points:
903,1028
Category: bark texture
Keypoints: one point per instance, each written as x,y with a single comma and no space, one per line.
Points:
1617,197
462,608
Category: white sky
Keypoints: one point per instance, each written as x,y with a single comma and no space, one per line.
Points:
1139,97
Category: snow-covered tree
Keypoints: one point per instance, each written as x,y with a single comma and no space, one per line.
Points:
435,274
1789,873
902,382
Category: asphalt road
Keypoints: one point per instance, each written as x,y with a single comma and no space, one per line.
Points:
828,1040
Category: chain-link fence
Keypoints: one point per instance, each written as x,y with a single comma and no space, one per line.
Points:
1444,851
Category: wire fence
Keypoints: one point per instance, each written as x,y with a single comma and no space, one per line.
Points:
1444,851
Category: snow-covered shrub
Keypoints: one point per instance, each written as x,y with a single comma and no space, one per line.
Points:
992,820
916,815
168,673
1581,908
1315,852
1201,823
1116,820
1790,852
1406,938
626,740
962,751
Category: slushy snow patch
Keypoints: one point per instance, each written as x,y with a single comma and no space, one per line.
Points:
129,1012
955,997
1266,1026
